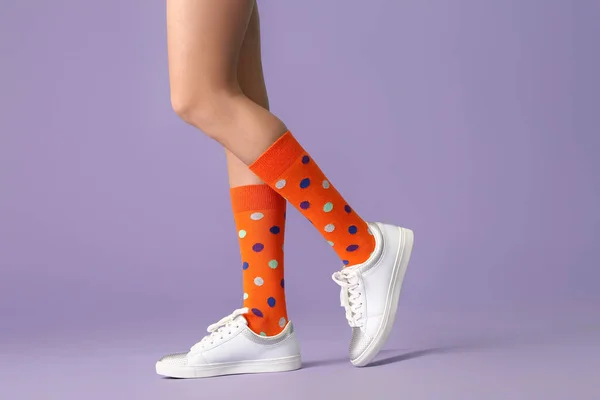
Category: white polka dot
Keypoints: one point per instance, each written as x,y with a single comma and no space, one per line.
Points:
242,233
330,243
280,184
329,228
245,296
326,184
256,216
282,322
258,281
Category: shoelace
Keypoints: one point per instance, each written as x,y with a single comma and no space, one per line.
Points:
219,328
351,296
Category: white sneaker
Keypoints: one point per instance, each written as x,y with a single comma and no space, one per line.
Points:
370,291
232,348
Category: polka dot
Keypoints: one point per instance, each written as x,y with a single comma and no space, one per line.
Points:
305,160
245,296
283,283
304,183
347,209
275,230
329,228
273,264
352,229
257,312
242,233
271,302
346,262
280,184
330,243
258,281
282,322
352,247
263,334
258,247
245,265
328,207
326,184
304,205
256,216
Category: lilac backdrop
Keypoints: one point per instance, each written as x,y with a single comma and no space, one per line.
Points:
473,122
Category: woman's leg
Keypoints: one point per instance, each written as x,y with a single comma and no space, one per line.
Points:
251,198
204,40
205,37
252,83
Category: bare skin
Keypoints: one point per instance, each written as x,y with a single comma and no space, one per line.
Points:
205,41
252,82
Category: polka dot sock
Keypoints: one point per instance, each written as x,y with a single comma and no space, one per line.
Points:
259,214
288,168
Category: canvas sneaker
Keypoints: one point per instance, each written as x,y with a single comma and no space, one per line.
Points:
370,291
232,348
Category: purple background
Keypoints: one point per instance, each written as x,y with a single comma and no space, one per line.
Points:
474,122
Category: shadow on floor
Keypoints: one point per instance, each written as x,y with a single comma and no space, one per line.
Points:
324,363
489,343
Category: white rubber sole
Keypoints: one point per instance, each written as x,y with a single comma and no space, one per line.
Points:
232,368
407,239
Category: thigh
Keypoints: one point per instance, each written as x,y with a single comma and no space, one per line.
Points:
250,72
204,38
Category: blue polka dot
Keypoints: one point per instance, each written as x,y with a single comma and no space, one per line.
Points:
352,247
352,229
304,183
346,262
283,283
275,230
271,302
245,265
258,247
347,208
257,312
304,205
305,159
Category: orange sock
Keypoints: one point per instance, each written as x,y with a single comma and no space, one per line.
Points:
287,167
259,214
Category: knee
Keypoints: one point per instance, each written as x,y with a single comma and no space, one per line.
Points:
203,110
192,109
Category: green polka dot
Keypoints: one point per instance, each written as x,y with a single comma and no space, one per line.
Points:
242,233
263,334
330,243
273,264
328,207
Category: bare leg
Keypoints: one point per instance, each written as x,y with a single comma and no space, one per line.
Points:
252,83
204,39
